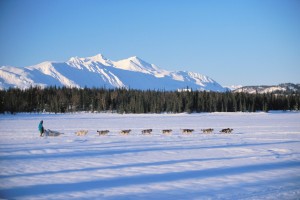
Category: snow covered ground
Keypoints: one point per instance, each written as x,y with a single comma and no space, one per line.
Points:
259,160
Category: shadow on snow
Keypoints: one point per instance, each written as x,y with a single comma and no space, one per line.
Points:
16,192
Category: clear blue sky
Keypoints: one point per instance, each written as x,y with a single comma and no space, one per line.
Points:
247,42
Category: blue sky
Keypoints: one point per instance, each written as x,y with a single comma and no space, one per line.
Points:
247,42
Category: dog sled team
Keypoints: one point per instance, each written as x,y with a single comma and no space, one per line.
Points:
149,131
49,132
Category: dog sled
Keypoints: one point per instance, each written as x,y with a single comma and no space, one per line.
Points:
49,132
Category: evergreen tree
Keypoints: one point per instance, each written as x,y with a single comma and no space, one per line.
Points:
60,100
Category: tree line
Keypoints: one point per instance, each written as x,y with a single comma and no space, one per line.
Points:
62,99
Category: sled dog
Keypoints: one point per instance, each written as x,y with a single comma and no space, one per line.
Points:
187,131
125,132
226,130
167,131
146,131
208,130
81,132
103,132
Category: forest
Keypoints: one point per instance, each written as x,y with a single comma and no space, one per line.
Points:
65,100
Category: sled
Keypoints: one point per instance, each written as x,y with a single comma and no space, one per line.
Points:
49,132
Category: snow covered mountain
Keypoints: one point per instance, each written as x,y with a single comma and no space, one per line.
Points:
285,88
233,87
98,71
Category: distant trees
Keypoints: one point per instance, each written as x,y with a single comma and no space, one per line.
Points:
61,100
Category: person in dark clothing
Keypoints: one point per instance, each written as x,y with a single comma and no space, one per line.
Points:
41,128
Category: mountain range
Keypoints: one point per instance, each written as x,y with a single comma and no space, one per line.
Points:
98,71
281,88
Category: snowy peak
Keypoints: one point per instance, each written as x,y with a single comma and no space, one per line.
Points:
99,58
137,61
135,64
96,58
98,71
45,67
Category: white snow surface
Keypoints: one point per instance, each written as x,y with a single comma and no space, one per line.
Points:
259,160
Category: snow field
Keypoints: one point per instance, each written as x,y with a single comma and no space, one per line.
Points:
259,160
